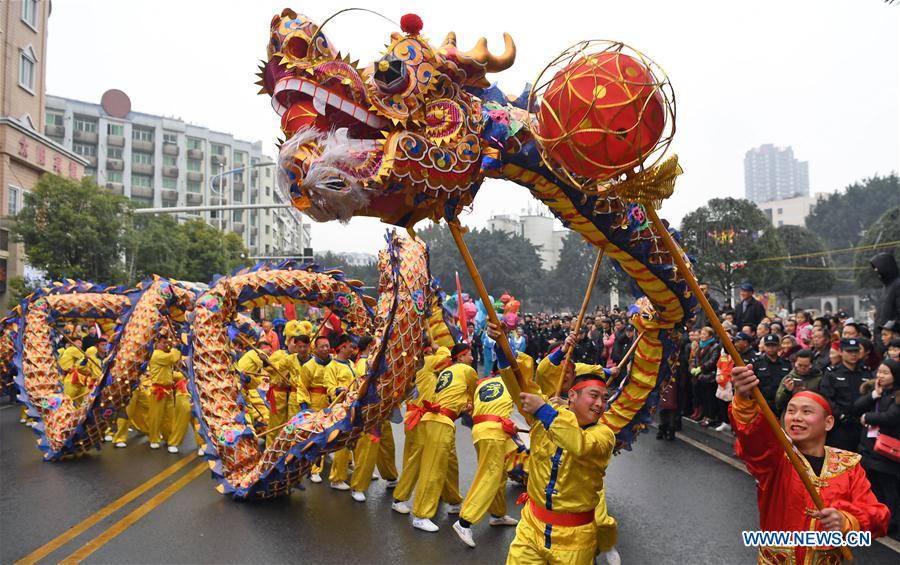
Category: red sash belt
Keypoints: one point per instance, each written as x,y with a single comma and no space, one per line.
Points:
160,391
414,413
567,519
181,386
508,425
270,394
318,390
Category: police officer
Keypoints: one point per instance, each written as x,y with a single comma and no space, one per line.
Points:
840,386
771,369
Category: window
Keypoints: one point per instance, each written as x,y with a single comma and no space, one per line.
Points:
193,186
780,223
217,149
268,249
84,125
114,176
171,184
268,191
142,202
90,172
13,200
53,118
169,203
170,137
237,216
780,211
267,229
142,158
237,196
194,143
268,172
4,240
240,157
195,165
115,129
141,134
169,161
85,149
113,152
27,68
142,181
29,13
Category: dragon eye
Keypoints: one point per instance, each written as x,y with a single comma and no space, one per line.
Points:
391,75
297,47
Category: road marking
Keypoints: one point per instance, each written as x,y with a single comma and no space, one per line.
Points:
8,406
132,517
885,541
103,513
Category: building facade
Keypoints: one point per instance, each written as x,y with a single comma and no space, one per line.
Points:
25,152
539,229
788,212
772,173
162,162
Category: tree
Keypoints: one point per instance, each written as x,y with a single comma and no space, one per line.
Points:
208,252
567,283
885,229
841,218
724,237
803,276
73,229
367,272
157,244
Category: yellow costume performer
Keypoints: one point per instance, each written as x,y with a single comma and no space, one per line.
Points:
340,376
285,378
162,396
313,379
251,365
76,377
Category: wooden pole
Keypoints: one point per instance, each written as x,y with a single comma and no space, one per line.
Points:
771,420
483,293
581,313
631,349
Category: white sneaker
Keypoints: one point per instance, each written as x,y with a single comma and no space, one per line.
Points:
400,507
424,524
154,446
107,438
315,478
723,427
391,484
173,449
454,508
121,444
503,521
465,534
374,476
22,420
200,452
610,557
340,485
358,495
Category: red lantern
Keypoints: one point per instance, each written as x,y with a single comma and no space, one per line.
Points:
601,115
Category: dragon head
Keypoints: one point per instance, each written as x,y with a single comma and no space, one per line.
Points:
399,139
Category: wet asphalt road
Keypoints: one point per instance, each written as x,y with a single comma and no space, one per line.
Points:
674,504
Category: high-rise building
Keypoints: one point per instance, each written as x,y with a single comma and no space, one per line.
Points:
772,173
25,152
158,161
538,228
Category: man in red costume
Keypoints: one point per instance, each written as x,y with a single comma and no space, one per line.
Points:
784,504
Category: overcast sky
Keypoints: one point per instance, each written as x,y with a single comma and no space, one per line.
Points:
820,76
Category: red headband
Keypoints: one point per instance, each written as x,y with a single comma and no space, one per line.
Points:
585,384
817,398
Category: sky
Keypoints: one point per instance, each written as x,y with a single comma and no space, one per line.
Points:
820,76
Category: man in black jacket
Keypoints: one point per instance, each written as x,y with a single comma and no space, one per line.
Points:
885,266
821,346
840,386
771,369
749,311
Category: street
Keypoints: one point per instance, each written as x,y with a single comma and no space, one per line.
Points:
674,503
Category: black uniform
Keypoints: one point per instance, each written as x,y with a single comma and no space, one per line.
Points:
840,386
770,374
820,359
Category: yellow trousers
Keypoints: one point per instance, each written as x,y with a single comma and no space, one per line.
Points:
180,419
489,486
136,415
607,528
438,439
169,416
368,454
340,466
412,459
387,458
74,391
318,402
278,415
567,544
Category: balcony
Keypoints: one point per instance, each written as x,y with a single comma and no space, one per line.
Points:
195,153
55,131
218,160
85,136
142,168
142,191
170,148
238,228
142,145
239,185
237,195
254,231
115,164
170,195
115,141
194,176
194,198
91,159
116,188
171,172
216,200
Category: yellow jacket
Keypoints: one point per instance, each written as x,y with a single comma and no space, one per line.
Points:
162,366
71,357
251,365
453,389
313,378
426,376
491,398
92,362
299,392
339,374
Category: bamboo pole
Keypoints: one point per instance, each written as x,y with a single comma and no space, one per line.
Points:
456,231
578,322
771,420
621,365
